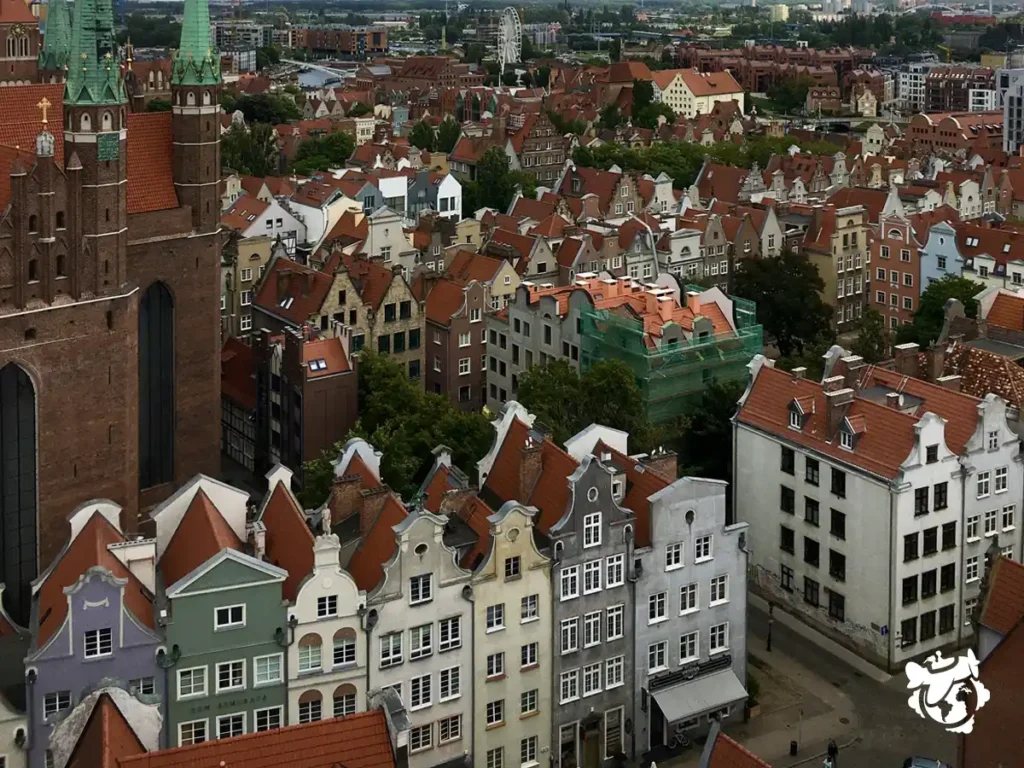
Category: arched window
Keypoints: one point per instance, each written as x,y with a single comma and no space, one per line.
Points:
156,386
310,653
311,705
107,121
344,700
23,46
86,122
152,76
344,647
190,98
11,43
206,98
18,480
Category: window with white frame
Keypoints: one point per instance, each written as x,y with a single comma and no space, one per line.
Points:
310,654
528,702
390,649
1009,513
326,606
474,315
267,669
971,531
983,485
496,712
56,702
528,752
673,556
344,704
512,566
971,569
449,683
592,530
657,607
465,366
657,656
496,757
615,571
1000,480
230,725
702,549
98,642
991,527
615,626
449,729
528,655
495,617
267,719
344,650
592,679
528,609
613,671
450,634
420,737
570,635
465,340
993,440
719,638
592,629
420,692
496,664
591,577
719,590
192,732
191,682
229,617
246,298
230,676
420,589
143,685
688,598
569,686
245,325
420,645
569,582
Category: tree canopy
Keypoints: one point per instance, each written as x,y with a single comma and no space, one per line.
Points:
872,342
495,183
324,153
790,93
251,152
423,136
158,105
448,133
789,305
265,108
930,315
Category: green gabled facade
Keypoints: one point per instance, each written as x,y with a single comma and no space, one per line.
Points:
56,50
196,62
94,62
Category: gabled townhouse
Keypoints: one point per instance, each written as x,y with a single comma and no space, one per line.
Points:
456,339
537,148
679,253
939,255
617,194
965,189
223,616
765,222
387,242
836,242
895,284
431,235
110,721
637,241
432,191
318,207
243,262
531,257
588,252
253,217
497,276
658,193
935,477
92,618
993,257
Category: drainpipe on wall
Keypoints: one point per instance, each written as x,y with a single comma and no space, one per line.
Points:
279,638
467,594
371,621
30,703
892,581
166,662
633,577
965,473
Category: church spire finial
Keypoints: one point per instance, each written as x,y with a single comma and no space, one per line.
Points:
196,62
94,71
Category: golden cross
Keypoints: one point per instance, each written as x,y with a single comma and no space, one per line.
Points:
44,105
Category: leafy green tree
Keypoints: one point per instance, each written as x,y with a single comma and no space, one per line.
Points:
150,31
423,136
323,154
543,77
643,95
359,109
811,357
448,133
158,105
930,315
610,117
575,126
494,179
786,291
251,152
509,79
552,393
791,93
228,101
268,108
526,79
705,435
267,57
872,342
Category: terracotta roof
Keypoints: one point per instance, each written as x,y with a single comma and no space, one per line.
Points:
378,545
982,372
726,753
106,739
445,299
314,194
243,213
886,442
1003,245
721,181
289,540
150,163
1003,607
357,741
1007,311
202,532
20,124
330,356
87,550
568,251
553,226
819,232
302,294
474,514
873,200
372,279
533,209
14,11
238,373
471,149
279,187
251,185
521,244
467,265
710,83
352,225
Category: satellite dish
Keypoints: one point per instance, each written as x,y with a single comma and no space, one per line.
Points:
510,39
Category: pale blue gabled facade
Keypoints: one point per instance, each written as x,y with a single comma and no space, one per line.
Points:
940,256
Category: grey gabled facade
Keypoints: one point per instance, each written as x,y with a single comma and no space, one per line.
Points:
592,648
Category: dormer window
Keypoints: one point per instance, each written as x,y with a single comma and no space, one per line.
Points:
846,440
795,422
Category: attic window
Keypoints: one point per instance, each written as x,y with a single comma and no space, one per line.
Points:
972,241
318,365
1006,248
846,440
286,302
794,419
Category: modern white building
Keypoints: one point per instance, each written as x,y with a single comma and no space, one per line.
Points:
1011,88
872,497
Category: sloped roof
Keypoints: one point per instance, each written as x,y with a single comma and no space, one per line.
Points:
150,162
445,299
15,11
726,753
289,540
721,181
307,288
1007,311
982,372
106,739
238,373
90,548
357,741
377,546
1003,606
243,213
468,265
372,279
533,209
331,354
710,83
202,532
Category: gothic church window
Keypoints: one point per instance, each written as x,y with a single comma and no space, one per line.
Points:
86,123
107,121
156,386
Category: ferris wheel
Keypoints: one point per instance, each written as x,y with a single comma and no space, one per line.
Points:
510,38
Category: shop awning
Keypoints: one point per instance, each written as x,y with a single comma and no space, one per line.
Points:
711,692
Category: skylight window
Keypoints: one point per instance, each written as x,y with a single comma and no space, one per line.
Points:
1006,248
286,302
318,365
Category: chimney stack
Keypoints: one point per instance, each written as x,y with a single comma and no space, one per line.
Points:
693,302
663,463
345,500
258,539
837,403
951,383
906,359
833,384
798,373
666,305
852,366
935,356
892,400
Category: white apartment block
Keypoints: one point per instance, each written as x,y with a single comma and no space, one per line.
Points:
872,498
911,86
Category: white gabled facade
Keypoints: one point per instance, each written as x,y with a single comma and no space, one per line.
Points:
327,661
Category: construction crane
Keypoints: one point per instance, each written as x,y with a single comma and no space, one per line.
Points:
948,50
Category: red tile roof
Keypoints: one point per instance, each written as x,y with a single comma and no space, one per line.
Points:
21,122
726,753
1007,311
14,11
243,213
1003,606
87,550
372,279
710,83
307,288
106,739
445,299
356,741
289,540
721,181
238,373
378,545
533,209
467,265
982,372
330,353
150,163
202,532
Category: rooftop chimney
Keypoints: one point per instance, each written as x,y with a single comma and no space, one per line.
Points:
892,400
852,366
837,403
666,305
798,373
693,302
951,383
935,359
258,539
906,359
833,383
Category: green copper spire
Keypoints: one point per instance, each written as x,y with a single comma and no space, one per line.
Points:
94,63
196,62
57,42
